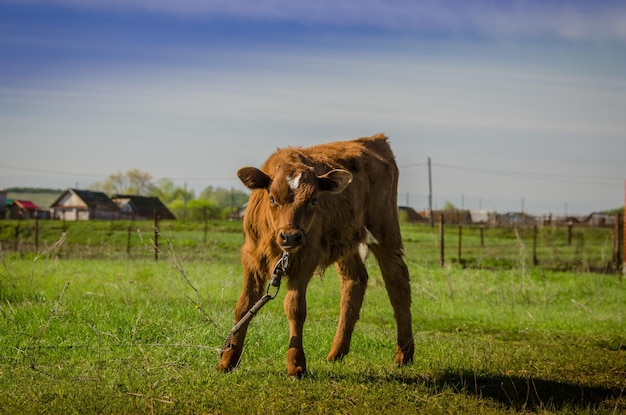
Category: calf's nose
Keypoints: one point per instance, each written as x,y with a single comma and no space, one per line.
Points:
291,238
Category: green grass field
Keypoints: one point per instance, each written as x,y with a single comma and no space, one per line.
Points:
87,327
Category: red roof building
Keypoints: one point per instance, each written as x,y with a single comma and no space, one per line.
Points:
23,209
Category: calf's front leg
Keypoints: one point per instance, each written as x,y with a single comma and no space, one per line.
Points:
295,309
253,286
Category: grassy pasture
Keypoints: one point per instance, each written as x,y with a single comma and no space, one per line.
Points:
86,328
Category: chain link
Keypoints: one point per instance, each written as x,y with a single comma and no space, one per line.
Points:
279,270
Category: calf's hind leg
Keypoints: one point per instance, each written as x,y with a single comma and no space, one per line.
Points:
396,276
353,284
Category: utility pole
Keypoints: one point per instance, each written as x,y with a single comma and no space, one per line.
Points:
430,195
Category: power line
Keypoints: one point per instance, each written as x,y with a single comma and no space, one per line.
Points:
413,165
201,179
65,173
557,177
82,174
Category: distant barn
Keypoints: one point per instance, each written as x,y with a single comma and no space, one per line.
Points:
410,214
22,209
74,204
142,207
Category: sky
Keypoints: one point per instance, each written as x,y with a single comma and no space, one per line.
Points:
520,105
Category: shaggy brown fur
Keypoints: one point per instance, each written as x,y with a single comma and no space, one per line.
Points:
320,204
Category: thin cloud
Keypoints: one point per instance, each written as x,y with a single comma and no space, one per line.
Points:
575,20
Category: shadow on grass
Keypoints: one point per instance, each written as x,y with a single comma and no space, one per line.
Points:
525,394
531,394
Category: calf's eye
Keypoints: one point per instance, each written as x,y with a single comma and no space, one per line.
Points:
272,201
313,201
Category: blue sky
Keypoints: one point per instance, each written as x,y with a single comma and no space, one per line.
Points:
518,103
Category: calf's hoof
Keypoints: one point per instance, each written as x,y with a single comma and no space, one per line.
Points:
296,374
296,363
335,357
223,368
404,355
228,361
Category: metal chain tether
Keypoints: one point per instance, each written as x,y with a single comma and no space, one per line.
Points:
279,270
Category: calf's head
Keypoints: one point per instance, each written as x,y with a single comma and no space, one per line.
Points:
292,195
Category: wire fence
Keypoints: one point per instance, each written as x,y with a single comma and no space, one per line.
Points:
577,247
582,248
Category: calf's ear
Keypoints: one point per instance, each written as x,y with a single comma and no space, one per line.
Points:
253,178
335,181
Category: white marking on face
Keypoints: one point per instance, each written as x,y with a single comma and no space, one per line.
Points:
294,182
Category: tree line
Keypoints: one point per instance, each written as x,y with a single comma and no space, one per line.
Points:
212,202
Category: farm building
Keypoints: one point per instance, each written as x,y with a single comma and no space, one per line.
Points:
239,213
515,219
483,216
452,216
411,214
22,209
76,204
142,207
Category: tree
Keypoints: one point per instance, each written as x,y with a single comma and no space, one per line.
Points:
139,182
449,206
164,189
224,198
133,182
200,209
167,192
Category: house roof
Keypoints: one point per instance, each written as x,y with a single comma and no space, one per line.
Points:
25,204
90,199
144,206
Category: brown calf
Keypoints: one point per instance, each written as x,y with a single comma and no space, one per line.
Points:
321,204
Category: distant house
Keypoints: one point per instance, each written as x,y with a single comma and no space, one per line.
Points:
453,216
411,214
239,213
142,207
600,219
515,219
483,216
23,209
74,204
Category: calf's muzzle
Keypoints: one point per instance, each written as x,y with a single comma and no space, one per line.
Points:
290,239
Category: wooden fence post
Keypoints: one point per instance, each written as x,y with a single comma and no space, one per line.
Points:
618,242
206,226
460,243
17,235
156,235
482,236
535,261
441,241
570,224
128,241
36,232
